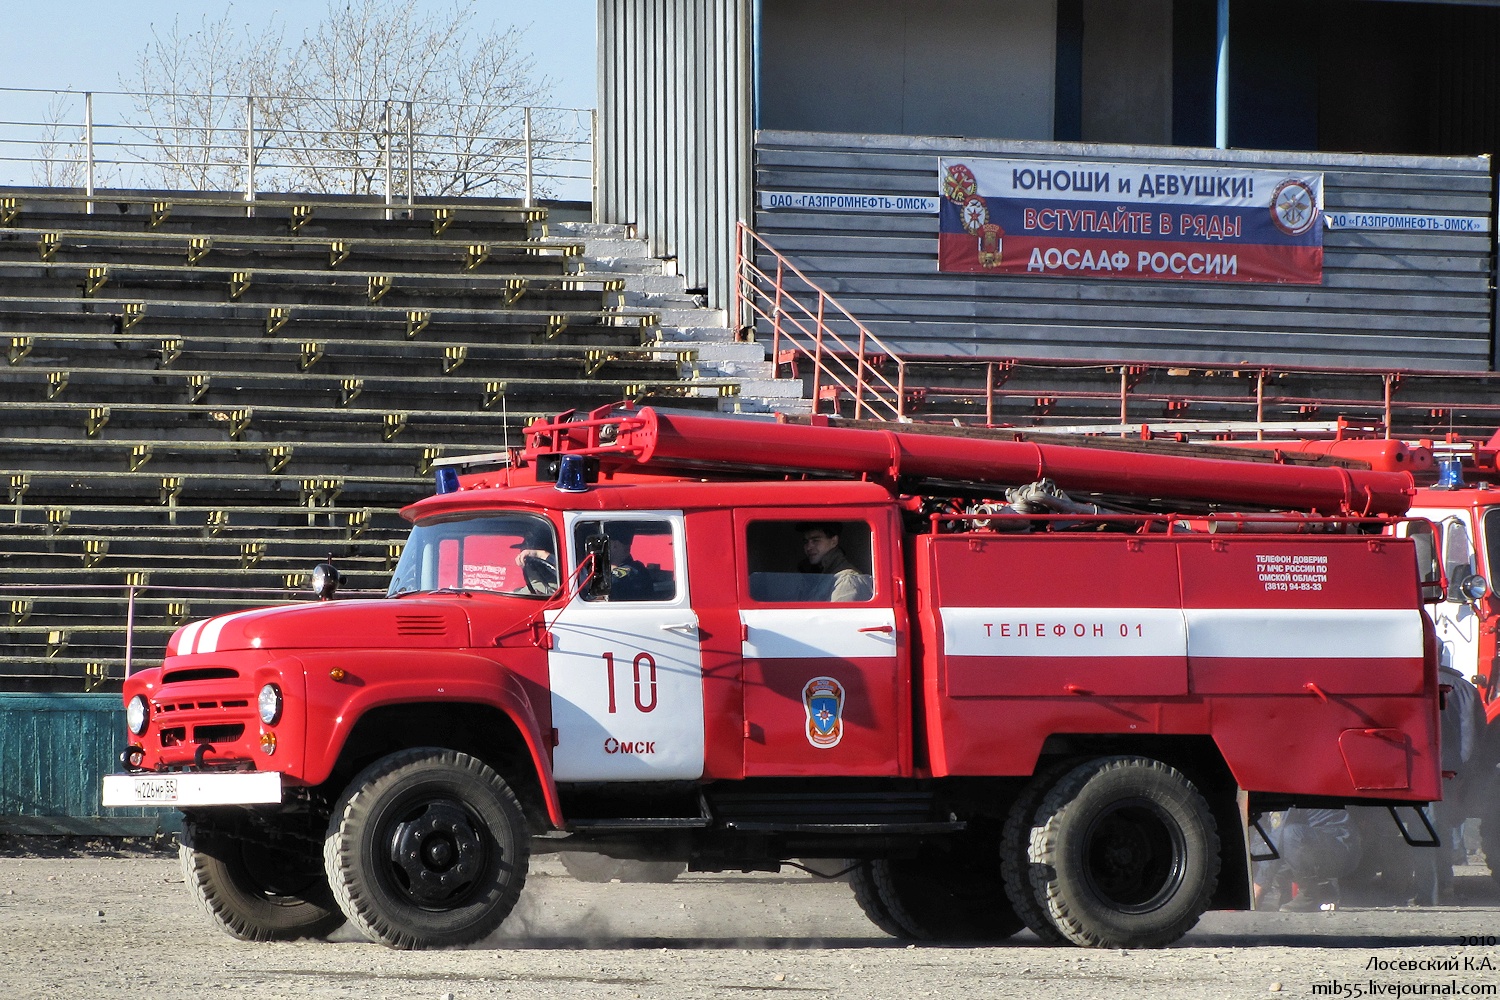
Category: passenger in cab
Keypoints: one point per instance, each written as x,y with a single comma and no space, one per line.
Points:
631,579
830,576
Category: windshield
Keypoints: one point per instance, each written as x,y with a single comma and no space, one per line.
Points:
497,553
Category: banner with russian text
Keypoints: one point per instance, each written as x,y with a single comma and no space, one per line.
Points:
1216,223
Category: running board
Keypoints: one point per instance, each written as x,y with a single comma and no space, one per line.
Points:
743,826
647,823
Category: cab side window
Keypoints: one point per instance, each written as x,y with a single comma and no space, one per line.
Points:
794,562
642,557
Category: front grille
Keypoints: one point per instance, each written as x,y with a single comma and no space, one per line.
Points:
188,706
223,733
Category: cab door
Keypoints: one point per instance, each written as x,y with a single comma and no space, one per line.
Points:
1457,622
626,676
824,681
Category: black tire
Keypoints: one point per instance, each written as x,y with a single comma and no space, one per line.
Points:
1015,862
948,897
867,895
598,868
256,892
1125,853
427,848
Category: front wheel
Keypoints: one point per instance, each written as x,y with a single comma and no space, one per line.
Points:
257,891
427,848
1125,854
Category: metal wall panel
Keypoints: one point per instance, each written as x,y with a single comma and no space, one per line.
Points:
54,750
1414,299
675,129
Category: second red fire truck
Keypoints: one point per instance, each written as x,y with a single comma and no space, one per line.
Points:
1017,684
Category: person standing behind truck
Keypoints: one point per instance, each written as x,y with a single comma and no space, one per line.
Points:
831,575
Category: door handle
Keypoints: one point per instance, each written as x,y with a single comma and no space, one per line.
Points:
687,628
887,629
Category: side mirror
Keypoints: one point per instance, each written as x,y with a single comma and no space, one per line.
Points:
597,546
1468,589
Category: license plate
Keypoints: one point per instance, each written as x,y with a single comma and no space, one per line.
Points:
156,789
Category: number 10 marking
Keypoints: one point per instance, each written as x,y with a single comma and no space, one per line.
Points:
649,685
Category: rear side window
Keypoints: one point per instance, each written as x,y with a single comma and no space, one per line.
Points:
802,562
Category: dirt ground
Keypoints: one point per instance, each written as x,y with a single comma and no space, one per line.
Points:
116,921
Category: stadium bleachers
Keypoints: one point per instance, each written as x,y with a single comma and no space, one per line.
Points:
203,399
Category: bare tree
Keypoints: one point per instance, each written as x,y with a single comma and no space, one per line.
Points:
60,157
378,88
191,98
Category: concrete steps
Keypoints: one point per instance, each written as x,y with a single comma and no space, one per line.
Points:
652,285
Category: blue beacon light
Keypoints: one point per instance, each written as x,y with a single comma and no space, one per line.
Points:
447,479
1450,474
571,475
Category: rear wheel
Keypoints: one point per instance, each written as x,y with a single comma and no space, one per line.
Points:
255,891
1015,863
956,896
867,895
599,868
1124,853
427,848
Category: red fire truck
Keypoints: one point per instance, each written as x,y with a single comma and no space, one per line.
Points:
1016,684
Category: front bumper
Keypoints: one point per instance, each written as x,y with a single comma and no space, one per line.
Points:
187,788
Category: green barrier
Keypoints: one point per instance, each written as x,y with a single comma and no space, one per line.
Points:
54,751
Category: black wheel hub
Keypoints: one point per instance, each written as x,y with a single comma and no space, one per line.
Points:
437,852
1134,856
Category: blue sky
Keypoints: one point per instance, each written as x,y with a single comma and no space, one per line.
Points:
88,44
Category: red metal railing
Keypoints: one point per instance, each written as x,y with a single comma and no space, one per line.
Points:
848,361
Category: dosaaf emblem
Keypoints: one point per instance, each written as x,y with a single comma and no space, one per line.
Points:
823,700
1294,208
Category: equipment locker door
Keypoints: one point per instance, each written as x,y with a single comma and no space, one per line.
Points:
822,651
626,672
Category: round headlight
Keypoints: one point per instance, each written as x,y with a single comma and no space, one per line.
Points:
270,704
137,714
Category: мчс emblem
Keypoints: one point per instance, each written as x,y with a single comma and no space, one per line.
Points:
823,700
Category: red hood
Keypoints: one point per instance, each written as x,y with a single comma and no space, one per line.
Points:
412,623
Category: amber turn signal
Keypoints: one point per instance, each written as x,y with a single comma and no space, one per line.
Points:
337,673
